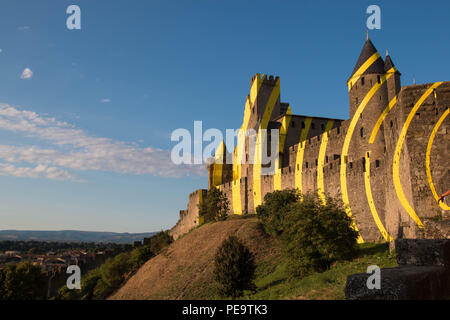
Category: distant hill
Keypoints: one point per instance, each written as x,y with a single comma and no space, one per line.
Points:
73,236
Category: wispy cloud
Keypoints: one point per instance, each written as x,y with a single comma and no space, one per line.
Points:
24,28
75,149
105,100
26,74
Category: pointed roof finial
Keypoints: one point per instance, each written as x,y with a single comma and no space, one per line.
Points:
387,52
367,34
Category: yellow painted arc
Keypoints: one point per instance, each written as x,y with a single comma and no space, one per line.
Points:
348,137
321,161
373,210
362,69
398,150
282,139
300,153
381,119
428,160
257,159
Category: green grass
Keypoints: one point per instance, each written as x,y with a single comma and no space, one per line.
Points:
273,282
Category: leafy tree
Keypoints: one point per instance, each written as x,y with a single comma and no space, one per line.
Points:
316,234
215,207
140,255
24,281
234,268
159,241
272,212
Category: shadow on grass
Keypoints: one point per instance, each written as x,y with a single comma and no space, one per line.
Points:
367,249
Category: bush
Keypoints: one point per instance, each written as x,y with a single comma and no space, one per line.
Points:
24,281
234,268
159,241
315,235
274,209
215,207
140,255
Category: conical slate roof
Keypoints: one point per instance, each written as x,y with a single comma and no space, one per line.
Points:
389,64
368,51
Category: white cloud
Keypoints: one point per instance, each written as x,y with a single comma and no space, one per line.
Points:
75,149
26,74
40,171
105,100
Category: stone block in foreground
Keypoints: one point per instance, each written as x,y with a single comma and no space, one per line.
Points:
402,283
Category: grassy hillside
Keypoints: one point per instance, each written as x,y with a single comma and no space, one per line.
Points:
184,269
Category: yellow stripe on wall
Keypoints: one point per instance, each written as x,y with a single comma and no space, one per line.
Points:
283,134
258,150
321,161
373,210
428,160
398,151
348,137
300,153
362,69
381,119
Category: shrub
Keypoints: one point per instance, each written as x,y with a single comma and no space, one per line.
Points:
24,281
215,207
234,268
140,255
315,235
275,207
159,241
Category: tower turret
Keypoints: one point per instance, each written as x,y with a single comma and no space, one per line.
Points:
393,83
368,71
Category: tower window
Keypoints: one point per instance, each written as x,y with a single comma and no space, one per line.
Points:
316,162
362,81
322,126
338,130
326,159
306,164
362,132
303,124
351,165
377,163
392,124
379,79
298,167
293,124
356,100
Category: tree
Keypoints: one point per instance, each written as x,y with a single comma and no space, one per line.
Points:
272,212
317,234
234,268
159,241
215,207
24,281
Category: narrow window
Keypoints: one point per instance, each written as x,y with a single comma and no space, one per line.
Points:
362,81
362,132
303,124
293,124
392,124
322,126
326,159
306,164
316,162
338,130
377,163
379,79
351,165
298,167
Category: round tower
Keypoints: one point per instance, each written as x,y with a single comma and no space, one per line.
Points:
369,70
393,82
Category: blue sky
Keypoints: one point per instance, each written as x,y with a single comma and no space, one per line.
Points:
84,136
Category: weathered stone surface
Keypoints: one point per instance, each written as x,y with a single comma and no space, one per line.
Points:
422,252
402,283
437,229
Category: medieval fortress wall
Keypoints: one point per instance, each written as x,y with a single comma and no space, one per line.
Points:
388,162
